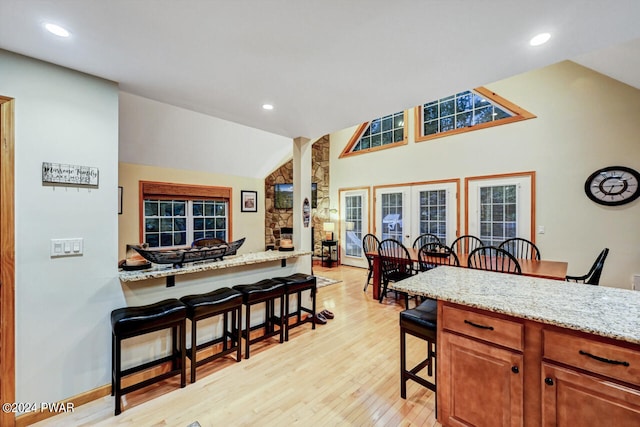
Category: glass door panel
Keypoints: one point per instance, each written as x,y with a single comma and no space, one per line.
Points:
354,225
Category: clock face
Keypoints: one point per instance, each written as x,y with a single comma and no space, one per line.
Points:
613,185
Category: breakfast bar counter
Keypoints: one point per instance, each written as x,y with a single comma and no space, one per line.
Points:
169,272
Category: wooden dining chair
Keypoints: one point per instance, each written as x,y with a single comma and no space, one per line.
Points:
432,255
465,244
425,238
593,276
396,265
493,259
370,245
521,248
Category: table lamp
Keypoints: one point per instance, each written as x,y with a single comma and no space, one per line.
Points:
329,227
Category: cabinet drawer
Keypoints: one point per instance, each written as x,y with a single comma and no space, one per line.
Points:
590,355
485,327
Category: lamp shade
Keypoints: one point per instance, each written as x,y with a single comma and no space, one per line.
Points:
329,227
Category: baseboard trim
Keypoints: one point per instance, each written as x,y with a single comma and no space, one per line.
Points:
88,396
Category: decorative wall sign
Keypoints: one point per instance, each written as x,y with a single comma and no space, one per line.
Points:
249,200
306,212
56,173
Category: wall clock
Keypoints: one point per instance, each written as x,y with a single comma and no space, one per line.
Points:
613,185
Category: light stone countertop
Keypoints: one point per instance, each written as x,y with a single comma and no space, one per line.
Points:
165,270
604,311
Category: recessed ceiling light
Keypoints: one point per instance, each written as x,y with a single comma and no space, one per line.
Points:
267,106
541,38
57,30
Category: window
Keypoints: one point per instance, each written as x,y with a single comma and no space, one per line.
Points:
384,132
353,222
498,214
177,214
501,207
463,112
433,213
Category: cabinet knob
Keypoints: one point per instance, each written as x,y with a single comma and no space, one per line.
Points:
548,381
515,369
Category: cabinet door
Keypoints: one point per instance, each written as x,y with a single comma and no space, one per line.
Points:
482,385
570,398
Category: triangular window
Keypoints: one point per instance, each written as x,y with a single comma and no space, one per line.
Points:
383,132
463,112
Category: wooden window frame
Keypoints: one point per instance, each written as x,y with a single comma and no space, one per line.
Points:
519,115
170,191
361,130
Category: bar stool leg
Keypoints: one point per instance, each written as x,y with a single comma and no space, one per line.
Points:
118,367
235,320
183,353
282,319
247,331
403,365
193,350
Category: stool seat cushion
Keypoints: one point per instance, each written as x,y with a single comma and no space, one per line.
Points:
223,299
138,319
297,282
423,316
264,289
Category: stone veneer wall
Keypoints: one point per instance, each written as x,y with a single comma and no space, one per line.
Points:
275,219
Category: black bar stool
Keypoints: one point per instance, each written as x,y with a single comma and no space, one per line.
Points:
420,322
130,322
265,291
295,284
223,301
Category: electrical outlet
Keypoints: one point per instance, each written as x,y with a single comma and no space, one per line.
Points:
541,229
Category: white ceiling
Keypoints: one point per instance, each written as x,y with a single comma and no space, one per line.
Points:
325,65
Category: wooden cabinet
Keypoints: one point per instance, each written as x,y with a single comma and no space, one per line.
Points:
589,383
498,370
484,385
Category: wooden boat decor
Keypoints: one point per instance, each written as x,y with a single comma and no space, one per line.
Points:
178,257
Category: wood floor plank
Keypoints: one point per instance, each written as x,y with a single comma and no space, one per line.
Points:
344,373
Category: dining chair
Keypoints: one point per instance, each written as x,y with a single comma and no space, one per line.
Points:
432,255
593,276
493,259
465,244
521,248
370,244
425,238
396,265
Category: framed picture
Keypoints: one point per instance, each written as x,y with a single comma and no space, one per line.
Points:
249,200
119,200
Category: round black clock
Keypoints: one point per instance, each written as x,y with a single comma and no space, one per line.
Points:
613,185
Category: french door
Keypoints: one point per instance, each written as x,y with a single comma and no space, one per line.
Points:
405,212
354,225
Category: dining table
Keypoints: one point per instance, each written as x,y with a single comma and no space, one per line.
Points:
546,269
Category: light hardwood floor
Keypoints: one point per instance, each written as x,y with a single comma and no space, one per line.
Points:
345,373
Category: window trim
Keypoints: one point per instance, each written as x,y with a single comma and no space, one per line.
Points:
346,152
169,191
519,115
529,174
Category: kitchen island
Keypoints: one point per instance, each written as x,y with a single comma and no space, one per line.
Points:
515,350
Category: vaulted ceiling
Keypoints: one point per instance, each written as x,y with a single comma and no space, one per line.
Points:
324,65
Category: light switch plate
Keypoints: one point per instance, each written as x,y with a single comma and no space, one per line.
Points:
66,247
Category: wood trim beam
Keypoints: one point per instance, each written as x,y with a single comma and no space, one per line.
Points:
7,258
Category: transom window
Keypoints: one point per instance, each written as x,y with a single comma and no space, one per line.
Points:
177,214
380,133
465,111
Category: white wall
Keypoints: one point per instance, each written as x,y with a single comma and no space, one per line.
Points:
62,332
585,121
157,134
